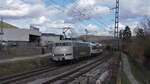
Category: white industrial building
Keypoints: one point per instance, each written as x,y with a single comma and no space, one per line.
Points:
47,38
20,35
29,37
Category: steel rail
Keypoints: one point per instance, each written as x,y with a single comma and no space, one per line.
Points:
26,74
77,71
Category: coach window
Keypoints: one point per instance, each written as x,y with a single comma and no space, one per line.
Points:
58,44
75,44
67,44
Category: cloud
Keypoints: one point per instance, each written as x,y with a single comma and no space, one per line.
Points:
40,20
91,9
55,26
35,1
134,8
56,16
92,30
59,24
133,26
18,9
82,10
129,9
110,29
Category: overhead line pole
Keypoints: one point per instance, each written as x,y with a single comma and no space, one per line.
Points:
116,36
86,31
1,29
116,30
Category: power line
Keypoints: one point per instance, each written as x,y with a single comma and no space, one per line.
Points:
101,21
80,13
76,10
75,6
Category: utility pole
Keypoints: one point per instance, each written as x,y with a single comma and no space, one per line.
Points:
116,74
86,31
1,29
116,30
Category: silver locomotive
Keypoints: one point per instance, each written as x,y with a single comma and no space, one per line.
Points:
70,50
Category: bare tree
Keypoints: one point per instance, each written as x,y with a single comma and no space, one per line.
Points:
121,34
145,23
139,33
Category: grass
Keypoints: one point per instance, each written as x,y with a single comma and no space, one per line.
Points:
6,25
136,51
141,76
12,53
21,55
24,65
124,78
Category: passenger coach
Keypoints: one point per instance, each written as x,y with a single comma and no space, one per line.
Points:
95,48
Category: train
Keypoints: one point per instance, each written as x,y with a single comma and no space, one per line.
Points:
66,50
95,49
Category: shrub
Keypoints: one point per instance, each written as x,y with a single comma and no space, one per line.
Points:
147,57
1,47
23,65
108,47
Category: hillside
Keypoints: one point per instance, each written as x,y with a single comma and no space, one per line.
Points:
96,38
6,25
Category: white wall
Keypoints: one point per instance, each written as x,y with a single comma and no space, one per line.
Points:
46,39
15,35
18,34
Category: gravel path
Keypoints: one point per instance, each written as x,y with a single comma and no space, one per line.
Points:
23,58
127,69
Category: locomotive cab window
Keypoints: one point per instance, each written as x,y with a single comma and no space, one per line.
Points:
95,47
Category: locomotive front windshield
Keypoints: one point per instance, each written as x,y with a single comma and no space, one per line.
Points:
95,47
63,44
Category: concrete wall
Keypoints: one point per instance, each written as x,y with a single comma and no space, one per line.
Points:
48,39
15,35
18,34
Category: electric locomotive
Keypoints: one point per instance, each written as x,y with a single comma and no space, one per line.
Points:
65,50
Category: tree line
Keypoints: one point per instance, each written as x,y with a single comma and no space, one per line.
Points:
137,45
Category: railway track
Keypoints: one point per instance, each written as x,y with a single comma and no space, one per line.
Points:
16,77
69,76
29,74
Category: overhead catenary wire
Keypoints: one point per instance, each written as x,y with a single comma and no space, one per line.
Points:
103,24
77,10
80,13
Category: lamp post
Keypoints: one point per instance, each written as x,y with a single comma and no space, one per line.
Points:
1,30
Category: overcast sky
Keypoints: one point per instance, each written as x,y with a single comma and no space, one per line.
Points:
95,15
